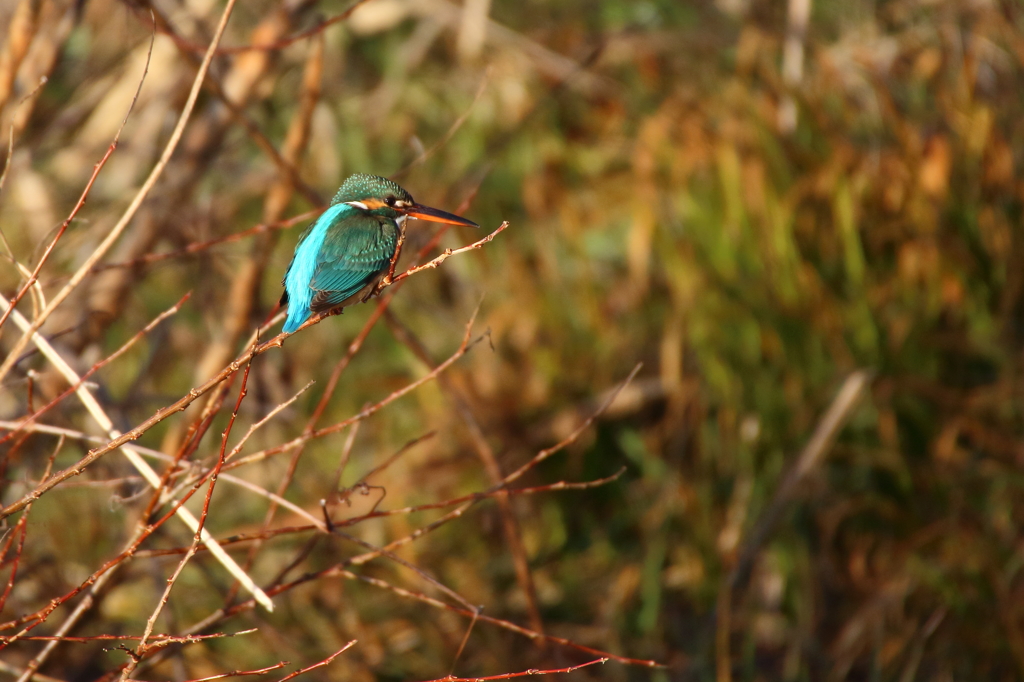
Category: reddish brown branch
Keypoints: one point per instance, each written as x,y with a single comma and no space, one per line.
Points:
531,671
332,383
240,673
155,640
448,253
507,625
472,497
381,551
20,531
577,432
34,619
321,664
238,114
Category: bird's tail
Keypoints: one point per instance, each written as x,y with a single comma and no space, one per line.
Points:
297,314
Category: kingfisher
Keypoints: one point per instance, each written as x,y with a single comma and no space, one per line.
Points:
348,249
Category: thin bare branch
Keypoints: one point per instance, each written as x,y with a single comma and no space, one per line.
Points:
416,596
240,673
270,415
448,253
576,433
524,673
155,640
320,664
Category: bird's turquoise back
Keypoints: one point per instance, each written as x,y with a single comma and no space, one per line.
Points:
344,251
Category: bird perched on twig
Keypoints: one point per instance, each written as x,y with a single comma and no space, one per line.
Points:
344,254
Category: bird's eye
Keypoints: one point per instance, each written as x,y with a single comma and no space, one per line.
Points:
390,201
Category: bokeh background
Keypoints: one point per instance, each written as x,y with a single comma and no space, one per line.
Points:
752,222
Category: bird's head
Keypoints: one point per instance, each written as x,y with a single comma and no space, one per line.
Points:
380,196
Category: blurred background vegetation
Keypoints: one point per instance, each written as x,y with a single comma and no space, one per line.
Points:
751,234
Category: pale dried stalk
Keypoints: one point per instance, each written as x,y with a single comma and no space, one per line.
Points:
810,457
473,29
20,32
793,61
133,455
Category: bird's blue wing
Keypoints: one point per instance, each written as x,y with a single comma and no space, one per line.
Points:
349,259
298,293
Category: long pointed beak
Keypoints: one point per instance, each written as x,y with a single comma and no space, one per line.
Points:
436,215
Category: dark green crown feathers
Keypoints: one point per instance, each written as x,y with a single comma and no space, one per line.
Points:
362,186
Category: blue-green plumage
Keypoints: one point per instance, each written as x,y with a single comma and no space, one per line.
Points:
350,246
